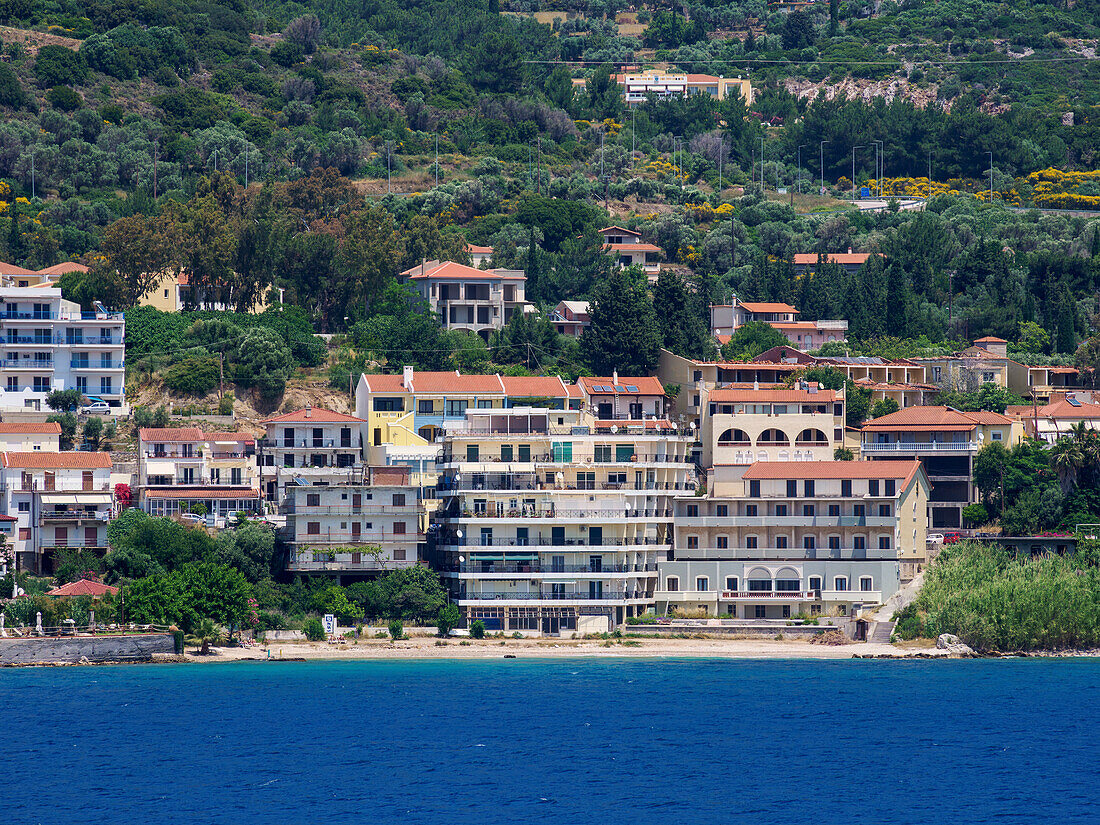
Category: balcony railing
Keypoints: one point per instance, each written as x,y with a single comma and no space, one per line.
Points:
76,515
542,541
771,594
80,364
243,487
560,514
906,447
307,444
196,455
61,486
364,565
63,340
473,486
475,567
28,364
548,458
551,596
56,544
336,537
353,510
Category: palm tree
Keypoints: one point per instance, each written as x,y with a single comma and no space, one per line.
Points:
205,634
1067,457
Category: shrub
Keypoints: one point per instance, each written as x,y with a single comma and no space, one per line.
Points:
64,400
314,630
286,54
193,376
58,66
225,405
477,629
448,619
908,624
397,630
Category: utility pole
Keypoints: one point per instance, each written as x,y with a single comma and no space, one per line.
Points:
862,146
761,166
990,177
929,177
821,162
32,175
156,152
437,159
246,154
800,147
633,132
721,151
878,167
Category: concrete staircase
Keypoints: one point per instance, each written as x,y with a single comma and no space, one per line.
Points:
880,633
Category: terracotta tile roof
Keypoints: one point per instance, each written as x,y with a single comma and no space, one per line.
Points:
170,434
1063,370
632,247
203,492
450,269
990,339
793,326
480,250
933,419
773,366
316,415
702,78
772,470
765,396
84,587
767,306
1063,409
58,461
17,428
550,386
61,269
842,258
452,383
245,438
608,229
645,385
12,269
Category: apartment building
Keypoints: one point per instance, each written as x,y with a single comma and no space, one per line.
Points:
58,501
184,470
51,344
987,362
1056,420
26,437
743,425
945,441
476,300
725,319
409,410
311,446
623,398
788,538
552,521
628,249
355,531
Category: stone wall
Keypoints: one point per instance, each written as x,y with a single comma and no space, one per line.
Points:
41,651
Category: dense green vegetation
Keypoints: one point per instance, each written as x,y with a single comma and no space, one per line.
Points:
995,600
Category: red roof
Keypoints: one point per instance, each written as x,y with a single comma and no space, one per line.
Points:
245,438
18,428
84,587
61,269
789,396
58,461
843,258
1063,409
203,492
314,415
12,269
632,247
772,470
766,306
934,419
990,339
171,434
480,250
608,229
450,269
645,385
548,386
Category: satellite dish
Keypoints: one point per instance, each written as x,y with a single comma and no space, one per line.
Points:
461,559
614,428
458,533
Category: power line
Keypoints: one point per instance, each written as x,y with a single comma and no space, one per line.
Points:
843,62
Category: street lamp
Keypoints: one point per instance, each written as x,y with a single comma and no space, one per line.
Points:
861,146
800,166
878,165
990,176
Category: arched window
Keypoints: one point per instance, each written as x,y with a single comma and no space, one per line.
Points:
773,437
812,436
734,437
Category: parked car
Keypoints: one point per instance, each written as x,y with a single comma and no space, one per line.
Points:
96,408
952,538
934,538
191,518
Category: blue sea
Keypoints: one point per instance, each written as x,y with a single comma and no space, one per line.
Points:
573,741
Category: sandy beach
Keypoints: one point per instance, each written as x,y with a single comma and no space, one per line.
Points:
427,648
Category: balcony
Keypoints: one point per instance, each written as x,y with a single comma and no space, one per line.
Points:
307,444
474,569
75,515
337,537
793,521
28,364
35,315
244,486
99,366
176,454
454,545
920,447
61,485
347,509
548,458
561,515
340,565
474,598
505,486
93,341
54,544
773,595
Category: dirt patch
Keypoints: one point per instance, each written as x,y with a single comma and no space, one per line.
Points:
32,41
851,88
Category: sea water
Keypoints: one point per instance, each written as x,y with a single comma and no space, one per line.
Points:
554,741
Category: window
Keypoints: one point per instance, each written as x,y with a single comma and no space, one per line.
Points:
603,453
760,611
808,486
399,528
313,500
859,510
424,406
815,610
872,487
809,542
997,435
722,542
473,453
389,404
787,607
399,554
891,486
24,507
884,542
313,528
13,384
866,583
834,509
807,509
722,510
760,585
398,499
834,542
859,542
41,383
693,542
754,490
987,378
750,542
792,488
672,584
751,510
840,584
780,542
781,509
505,452
562,450
731,583
105,386
702,584
815,582
787,585
846,487
884,510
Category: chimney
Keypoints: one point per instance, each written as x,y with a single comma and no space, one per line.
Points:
849,250
615,377
309,411
407,378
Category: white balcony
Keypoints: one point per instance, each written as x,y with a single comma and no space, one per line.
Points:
920,447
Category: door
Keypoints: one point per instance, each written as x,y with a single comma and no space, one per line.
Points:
356,528
603,411
318,437
49,481
288,436
557,536
61,536
356,501
595,564
595,590
91,537
522,536
86,480
595,536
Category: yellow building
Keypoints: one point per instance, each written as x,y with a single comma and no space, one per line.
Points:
174,293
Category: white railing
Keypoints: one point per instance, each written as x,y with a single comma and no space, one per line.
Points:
919,447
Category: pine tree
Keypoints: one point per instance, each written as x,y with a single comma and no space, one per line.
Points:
623,334
678,314
1066,340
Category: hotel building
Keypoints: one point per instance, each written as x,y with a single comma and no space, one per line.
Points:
308,447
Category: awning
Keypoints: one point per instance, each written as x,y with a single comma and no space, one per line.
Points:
83,496
160,468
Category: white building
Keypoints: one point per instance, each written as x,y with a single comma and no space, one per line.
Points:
310,446
50,344
477,300
58,500
26,437
628,249
551,521
353,531
182,467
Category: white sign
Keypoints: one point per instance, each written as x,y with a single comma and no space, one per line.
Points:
329,621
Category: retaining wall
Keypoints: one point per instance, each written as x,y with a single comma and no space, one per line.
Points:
41,651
